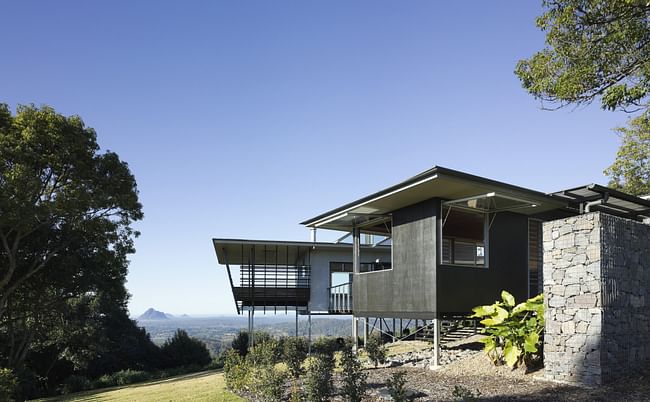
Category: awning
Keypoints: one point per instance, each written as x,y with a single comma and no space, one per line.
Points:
594,197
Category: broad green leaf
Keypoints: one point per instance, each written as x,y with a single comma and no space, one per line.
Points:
530,344
511,354
482,311
508,299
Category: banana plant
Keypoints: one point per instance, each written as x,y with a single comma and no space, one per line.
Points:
514,331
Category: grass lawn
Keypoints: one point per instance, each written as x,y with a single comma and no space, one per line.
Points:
204,386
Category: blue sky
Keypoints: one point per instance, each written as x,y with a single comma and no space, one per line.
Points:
241,119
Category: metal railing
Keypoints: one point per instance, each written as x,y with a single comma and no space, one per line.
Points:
341,298
264,276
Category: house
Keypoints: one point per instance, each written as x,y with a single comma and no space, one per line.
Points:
448,241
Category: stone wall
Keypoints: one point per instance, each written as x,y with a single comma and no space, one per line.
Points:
596,283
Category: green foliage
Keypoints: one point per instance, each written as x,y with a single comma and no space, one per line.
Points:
240,343
630,171
397,386
594,48
327,345
8,384
267,383
122,377
513,330
354,379
76,383
465,394
295,352
183,350
318,379
265,353
375,349
236,371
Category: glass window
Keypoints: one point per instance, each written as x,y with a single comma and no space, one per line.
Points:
463,237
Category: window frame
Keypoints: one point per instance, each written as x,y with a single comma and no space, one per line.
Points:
486,239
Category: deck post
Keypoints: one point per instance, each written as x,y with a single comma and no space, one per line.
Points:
366,329
355,333
249,328
296,322
309,332
252,333
436,343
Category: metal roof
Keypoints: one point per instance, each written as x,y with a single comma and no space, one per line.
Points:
270,252
371,213
609,200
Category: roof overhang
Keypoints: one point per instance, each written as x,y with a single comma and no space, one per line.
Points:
438,182
605,199
270,252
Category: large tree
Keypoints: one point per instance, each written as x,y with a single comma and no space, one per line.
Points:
598,50
56,189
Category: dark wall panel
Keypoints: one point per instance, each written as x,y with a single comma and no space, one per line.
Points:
408,290
461,288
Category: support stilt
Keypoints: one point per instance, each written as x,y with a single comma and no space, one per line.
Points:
296,321
366,330
309,333
436,343
394,332
355,333
252,333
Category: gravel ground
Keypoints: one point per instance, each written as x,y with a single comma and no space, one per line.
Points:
477,374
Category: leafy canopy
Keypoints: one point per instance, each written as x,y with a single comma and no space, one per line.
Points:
630,171
594,49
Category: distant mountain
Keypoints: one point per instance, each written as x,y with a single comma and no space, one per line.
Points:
152,314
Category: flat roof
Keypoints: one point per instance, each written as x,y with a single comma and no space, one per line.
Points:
373,210
269,252
608,200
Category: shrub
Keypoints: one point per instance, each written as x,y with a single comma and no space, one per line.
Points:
465,394
8,384
513,331
265,353
354,379
183,350
75,383
295,352
327,345
240,343
318,379
376,350
236,371
397,386
268,383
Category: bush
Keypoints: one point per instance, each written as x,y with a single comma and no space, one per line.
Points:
327,345
397,386
513,331
268,383
75,383
240,343
8,384
295,352
318,379
265,353
183,350
122,377
236,371
376,350
354,379
465,394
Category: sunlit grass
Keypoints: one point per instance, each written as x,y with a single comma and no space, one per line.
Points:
206,386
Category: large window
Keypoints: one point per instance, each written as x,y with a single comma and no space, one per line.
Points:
464,237
378,265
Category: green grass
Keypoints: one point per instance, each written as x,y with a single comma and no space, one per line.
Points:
206,386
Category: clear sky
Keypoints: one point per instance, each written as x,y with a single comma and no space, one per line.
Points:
242,118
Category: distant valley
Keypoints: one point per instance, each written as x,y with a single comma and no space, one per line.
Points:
218,332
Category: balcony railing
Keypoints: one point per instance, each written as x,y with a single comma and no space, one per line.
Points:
341,298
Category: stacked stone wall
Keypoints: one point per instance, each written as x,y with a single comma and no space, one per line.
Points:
597,294
572,289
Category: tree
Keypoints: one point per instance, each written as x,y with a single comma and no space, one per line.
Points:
183,350
598,49
595,49
55,187
630,171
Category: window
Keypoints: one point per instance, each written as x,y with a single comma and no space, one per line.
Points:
464,236
378,265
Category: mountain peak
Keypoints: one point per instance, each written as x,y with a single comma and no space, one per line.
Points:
153,314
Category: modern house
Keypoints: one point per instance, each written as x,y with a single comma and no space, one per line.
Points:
449,241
